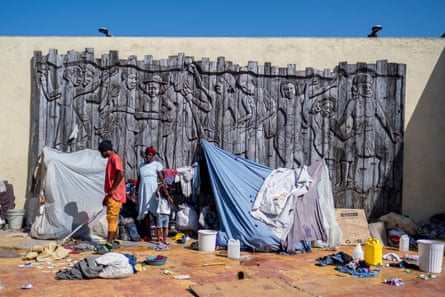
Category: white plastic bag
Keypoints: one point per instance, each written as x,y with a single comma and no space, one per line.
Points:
187,218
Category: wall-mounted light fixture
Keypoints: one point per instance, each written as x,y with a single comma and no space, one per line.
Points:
375,29
104,31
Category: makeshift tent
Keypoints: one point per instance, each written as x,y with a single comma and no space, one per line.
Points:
239,187
71,188
252,206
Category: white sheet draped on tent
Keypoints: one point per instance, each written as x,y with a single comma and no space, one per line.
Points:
298,204
275,200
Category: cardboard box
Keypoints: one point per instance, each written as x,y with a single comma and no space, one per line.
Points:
353,224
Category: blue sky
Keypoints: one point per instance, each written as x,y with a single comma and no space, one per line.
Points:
223,18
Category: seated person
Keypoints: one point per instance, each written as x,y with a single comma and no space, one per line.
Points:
208,218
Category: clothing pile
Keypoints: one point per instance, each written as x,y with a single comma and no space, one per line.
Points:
109,265
344,263
434,227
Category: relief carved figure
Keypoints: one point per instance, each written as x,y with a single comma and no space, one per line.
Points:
323,122
73,76
83,103
125,120
351,117
193,102
225,95
293,111
288,141
150,115
49,89
255,108
220,121
359,127
108,102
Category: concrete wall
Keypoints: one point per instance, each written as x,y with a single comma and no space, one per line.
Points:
424,165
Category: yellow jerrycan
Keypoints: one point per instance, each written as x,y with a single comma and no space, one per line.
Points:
373,251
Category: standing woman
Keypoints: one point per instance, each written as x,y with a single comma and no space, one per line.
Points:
149,177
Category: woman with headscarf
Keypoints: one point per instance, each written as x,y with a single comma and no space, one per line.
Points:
149,177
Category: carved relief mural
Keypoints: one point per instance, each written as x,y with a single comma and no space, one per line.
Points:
351,116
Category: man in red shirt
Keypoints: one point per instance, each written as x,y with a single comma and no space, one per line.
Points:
114,187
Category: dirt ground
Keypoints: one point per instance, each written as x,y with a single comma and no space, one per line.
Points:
189,272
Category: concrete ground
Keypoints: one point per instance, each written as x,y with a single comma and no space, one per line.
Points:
189,272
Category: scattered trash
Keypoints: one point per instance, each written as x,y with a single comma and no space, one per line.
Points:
26,264
221,253
214,264
391,257
194,245
138,267
184,276
180,238
394,281
319,244
411,258
27,286
404,264
168,272
427,276
246,258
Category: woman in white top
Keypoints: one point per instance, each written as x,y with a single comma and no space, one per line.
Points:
149,177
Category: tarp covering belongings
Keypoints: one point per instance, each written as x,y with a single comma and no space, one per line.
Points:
267,209
70,185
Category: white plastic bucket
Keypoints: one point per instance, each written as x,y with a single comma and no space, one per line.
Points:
430,255
15,218
233,249
207,240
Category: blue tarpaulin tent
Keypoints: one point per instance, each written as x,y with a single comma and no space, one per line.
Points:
235,183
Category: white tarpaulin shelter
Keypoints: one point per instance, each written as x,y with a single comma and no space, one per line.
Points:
71,185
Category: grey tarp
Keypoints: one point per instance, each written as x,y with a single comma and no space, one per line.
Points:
72,187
